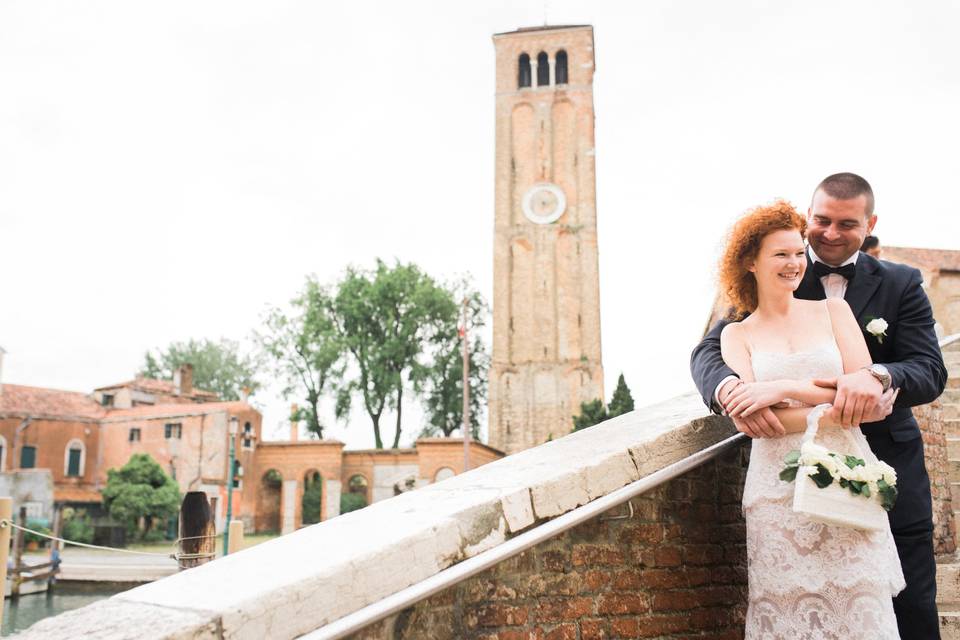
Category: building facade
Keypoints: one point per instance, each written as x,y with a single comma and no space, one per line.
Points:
546,292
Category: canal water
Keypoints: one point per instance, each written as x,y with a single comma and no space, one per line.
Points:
62,597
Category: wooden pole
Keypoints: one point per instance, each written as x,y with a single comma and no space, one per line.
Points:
466,391
197,530
236,536
55,544
18,555
6,513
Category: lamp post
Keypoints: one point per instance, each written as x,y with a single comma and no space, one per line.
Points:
230,472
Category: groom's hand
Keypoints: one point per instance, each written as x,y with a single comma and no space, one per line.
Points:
858,397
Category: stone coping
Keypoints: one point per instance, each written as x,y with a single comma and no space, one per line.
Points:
299,582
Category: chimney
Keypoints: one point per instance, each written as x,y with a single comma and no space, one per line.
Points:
183,380
294,423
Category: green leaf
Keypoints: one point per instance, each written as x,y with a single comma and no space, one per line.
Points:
822,477
865,491
888,494
789,474
853,461
793,457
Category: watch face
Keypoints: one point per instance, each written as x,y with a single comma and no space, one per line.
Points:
544,203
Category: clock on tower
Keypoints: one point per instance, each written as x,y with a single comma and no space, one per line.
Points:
546,300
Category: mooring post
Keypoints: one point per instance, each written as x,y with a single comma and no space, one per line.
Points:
197,531
6,515
236,536
18,556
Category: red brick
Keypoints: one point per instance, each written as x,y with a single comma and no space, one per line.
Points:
702,554
562,632
667,556
623,603
594,554
625,628
675,600
653,626
553,560
594,580
560,609
627,580
501,615
593,629
641,534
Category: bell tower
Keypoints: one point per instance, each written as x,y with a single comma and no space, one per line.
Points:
546,297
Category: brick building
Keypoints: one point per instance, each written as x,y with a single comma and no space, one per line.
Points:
79,436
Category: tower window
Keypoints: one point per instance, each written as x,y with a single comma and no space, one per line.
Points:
523,73
134,434
543,70
561,70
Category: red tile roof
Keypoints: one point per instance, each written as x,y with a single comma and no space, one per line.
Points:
37,402
150,385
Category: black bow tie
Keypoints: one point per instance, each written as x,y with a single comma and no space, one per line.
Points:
847,270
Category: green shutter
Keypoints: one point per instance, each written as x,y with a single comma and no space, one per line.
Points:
28,457
73,463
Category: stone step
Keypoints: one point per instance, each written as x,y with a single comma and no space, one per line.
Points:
950,622
951,357
953,448
954,466
955,495
948,583
953,382
950,396
951,411
951,427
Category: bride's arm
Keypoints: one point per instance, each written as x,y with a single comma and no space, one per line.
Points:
734,350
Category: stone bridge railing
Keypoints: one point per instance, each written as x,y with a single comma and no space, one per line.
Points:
299,582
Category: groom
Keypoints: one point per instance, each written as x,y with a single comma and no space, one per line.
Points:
907,359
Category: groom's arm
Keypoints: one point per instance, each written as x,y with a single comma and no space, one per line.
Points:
917,366
708,368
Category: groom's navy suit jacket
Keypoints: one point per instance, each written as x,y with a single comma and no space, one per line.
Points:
909,350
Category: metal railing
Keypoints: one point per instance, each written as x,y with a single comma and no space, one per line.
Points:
353,622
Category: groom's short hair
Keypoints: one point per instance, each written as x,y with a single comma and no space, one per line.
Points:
847,186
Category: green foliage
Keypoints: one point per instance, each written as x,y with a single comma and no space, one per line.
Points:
217,366
305,350
77,525
622,400
352,502
443,377
138,492
591,413
36,525
312,494
385,317
822,477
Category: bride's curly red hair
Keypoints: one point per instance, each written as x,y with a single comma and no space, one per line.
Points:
737,285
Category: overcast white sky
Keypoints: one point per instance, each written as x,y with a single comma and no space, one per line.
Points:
168,169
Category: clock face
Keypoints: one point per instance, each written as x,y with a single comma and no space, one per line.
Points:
544,203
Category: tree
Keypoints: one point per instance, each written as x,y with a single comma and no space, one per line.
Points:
591,413
140,491
443,377
622,400
217,366
305,350
384,318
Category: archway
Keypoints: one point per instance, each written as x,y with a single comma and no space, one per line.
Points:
268,502
312,499
356,495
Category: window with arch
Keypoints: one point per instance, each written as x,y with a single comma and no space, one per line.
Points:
561,67
74,458
247,436
523,71
443,473
543,69
3,454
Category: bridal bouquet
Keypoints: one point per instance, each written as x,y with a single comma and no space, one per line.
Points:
849,491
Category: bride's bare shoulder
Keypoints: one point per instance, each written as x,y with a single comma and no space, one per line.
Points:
732,332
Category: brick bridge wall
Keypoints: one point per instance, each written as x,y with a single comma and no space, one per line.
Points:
930,417
676,569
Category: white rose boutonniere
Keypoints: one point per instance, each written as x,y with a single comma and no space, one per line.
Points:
878,327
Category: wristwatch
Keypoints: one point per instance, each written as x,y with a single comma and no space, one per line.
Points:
880,372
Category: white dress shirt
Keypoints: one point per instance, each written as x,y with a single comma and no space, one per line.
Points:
834,285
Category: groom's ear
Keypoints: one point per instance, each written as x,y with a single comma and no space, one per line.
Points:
871,223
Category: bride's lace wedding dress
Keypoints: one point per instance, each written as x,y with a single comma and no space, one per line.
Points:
811,581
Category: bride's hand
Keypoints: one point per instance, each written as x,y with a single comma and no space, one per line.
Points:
753,396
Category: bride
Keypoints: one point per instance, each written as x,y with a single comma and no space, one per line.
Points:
807,580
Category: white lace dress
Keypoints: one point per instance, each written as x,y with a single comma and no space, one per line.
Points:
811,581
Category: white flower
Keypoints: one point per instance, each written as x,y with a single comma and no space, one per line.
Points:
878,327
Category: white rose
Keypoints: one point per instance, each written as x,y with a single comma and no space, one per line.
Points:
877,326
